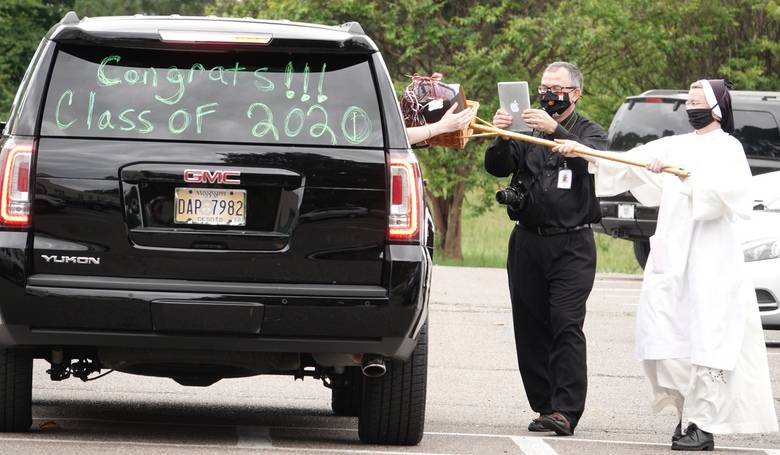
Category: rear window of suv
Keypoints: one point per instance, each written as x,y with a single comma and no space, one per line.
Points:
639,122
213,96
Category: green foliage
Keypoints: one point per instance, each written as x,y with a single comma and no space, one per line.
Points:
623,47
23,23
486,236
94,8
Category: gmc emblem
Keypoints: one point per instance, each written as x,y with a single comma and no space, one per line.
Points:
206,176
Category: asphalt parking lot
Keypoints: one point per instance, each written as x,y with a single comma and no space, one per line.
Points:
476,404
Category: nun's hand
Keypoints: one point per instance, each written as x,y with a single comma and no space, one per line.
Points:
656,166
566,147
569,148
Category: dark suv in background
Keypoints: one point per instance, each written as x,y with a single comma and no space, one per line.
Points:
204,198
658,113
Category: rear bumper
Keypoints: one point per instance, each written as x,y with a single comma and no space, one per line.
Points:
639,227
82,311
626,229
24,336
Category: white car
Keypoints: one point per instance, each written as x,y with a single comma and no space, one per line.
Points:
761,244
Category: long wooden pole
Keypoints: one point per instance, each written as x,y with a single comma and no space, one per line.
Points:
488,128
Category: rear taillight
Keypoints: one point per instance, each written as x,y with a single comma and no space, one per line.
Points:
16,159
405,197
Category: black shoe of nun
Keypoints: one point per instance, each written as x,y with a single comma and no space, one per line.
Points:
677,432
694,439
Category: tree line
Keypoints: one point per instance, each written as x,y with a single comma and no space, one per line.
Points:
622,46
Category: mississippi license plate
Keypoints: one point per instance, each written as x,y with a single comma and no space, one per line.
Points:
626,211
213,206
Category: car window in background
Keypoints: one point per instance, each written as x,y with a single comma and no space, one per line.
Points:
262,97
639,122
759,134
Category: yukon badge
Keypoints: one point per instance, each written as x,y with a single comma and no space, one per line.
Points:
71,259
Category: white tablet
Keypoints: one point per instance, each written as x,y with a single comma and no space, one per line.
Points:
513,97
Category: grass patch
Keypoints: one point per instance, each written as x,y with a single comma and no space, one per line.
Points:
615,255
485,239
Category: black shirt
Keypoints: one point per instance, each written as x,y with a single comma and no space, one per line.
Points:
537,167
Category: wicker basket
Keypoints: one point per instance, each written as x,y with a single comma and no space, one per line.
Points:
456,139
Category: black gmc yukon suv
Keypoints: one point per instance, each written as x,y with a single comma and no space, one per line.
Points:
659,113
203,198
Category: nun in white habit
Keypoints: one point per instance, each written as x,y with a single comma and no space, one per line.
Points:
698,330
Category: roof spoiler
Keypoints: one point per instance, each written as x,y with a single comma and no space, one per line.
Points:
663,92
72,29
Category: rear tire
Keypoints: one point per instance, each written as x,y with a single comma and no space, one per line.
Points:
641,251
15,390
393,411
346,400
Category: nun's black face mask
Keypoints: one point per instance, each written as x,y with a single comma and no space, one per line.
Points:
699,118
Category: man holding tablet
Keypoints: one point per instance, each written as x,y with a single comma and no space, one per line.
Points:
551,261
514,100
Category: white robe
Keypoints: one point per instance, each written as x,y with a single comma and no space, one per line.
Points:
697,300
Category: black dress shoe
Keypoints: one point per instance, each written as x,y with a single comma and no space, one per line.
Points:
536,425
694,439
558,423
677,432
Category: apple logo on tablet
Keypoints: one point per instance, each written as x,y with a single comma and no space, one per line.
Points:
514,106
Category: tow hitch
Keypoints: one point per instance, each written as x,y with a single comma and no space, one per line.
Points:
63,367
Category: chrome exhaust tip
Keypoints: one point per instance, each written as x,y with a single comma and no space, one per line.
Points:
373,366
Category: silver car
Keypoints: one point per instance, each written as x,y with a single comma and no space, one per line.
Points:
761,245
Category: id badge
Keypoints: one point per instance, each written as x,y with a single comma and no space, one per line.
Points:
564,179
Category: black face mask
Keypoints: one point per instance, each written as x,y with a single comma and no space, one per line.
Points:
552,104
699,118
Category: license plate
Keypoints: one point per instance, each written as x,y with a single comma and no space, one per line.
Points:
212,206
626,211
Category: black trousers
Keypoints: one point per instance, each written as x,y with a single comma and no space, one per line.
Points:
550,278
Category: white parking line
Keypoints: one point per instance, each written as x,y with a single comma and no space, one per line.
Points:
598,441
533,446
769,451
253,437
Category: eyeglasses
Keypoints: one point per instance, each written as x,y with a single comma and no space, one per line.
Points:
690,105
555,89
